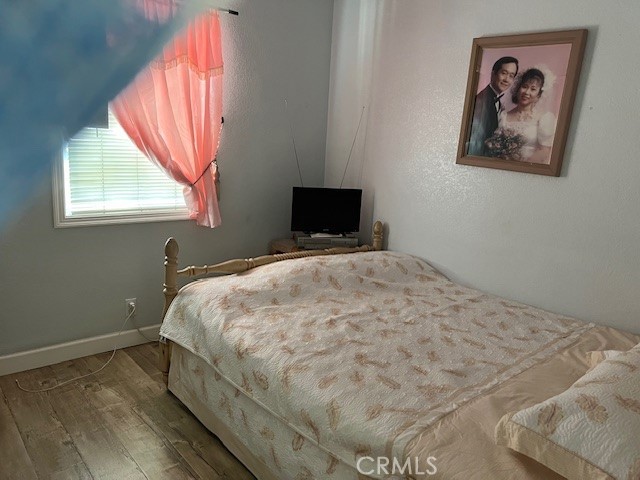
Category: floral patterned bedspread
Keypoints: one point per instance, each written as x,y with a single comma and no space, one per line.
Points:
359,353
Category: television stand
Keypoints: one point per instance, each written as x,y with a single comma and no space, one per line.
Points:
289,245
329,235
314,241
283,245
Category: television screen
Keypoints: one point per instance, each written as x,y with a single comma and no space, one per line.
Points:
331,210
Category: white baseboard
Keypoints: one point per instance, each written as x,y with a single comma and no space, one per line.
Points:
40,357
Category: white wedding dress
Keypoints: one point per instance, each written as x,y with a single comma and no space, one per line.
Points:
538,129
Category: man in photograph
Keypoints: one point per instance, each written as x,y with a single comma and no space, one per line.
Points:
488,104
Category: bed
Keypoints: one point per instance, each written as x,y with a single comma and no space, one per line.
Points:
319,364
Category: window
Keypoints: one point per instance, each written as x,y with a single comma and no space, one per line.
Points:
101,177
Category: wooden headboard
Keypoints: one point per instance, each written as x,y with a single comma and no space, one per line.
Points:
171,274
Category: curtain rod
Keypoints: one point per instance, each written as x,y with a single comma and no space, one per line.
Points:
226,10
204,4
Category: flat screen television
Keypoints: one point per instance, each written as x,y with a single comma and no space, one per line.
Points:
330,210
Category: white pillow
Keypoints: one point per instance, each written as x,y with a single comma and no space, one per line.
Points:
597,356
591,430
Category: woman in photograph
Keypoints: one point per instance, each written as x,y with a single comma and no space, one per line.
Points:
528,129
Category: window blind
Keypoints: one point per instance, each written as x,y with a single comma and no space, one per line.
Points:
106,175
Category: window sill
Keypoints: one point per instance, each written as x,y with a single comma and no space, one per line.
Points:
91,221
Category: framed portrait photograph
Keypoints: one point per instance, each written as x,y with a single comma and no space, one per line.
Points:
519,99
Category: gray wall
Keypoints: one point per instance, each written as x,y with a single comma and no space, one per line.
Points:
567,244
275,49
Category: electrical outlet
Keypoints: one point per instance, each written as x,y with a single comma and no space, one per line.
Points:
130,306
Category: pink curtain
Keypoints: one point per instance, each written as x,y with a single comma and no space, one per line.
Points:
173,113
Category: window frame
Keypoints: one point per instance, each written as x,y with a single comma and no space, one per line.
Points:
62,220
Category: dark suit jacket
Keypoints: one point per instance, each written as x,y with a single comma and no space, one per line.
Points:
485,121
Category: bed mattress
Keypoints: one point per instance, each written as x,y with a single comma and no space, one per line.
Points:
328,360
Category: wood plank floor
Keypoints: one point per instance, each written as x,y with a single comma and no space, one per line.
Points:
118,424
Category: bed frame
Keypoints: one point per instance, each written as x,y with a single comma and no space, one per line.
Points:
171,274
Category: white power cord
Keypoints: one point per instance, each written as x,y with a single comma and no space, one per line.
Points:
132,306
115,348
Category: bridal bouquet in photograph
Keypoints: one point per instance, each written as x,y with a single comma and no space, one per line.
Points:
505,143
